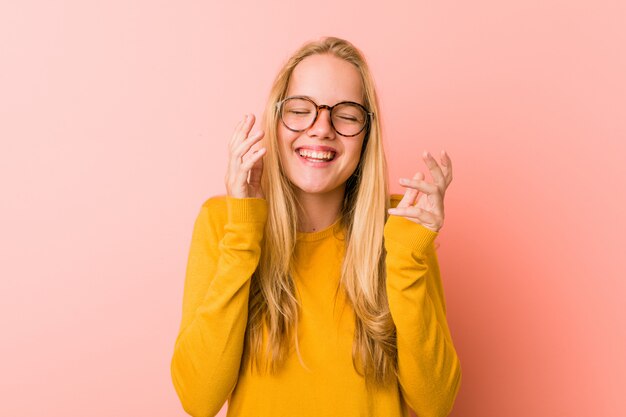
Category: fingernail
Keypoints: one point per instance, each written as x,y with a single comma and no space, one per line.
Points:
404,180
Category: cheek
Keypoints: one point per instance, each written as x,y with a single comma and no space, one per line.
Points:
285,139
355,150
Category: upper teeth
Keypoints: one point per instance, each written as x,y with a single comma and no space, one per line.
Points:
315,154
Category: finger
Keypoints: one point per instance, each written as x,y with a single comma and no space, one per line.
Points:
252,158
246,166
415,212
446,163
420,185
243,130
253,149
247,126
257,170
410,194
236,137
242,149
237,154
435,170
424,217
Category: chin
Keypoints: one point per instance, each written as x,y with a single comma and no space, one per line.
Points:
311,189
315,188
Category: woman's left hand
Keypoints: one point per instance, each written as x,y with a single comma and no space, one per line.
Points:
426,210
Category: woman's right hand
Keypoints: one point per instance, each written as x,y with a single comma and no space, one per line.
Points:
245,162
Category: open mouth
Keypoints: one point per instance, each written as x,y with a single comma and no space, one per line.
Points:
316,156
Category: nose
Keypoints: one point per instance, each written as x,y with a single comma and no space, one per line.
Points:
322,127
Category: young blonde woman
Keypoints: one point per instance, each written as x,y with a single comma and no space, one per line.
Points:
309,290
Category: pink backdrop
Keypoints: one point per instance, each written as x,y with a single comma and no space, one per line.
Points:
114,119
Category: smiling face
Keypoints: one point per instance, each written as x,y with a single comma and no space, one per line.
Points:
328,80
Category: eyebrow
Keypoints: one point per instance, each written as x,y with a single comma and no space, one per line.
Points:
311,98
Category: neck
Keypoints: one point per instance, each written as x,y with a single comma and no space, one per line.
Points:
318,211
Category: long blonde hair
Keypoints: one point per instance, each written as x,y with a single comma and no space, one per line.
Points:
273,301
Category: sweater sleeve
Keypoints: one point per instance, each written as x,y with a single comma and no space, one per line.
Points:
429,369
222,258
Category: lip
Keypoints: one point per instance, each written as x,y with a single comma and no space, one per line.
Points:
320,164
318,148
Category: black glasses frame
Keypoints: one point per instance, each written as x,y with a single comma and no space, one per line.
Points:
318,107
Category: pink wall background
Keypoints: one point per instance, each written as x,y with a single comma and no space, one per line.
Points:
114,119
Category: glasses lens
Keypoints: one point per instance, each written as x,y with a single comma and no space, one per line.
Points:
298,114
349,119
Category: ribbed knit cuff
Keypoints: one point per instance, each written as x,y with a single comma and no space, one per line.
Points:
409,234
246,210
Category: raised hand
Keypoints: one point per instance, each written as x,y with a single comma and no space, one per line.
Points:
245,162
427,208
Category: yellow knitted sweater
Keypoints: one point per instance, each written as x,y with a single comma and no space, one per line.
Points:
225,251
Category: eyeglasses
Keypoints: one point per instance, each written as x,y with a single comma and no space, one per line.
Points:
348,118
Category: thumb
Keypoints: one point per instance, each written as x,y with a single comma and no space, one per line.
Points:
410,195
